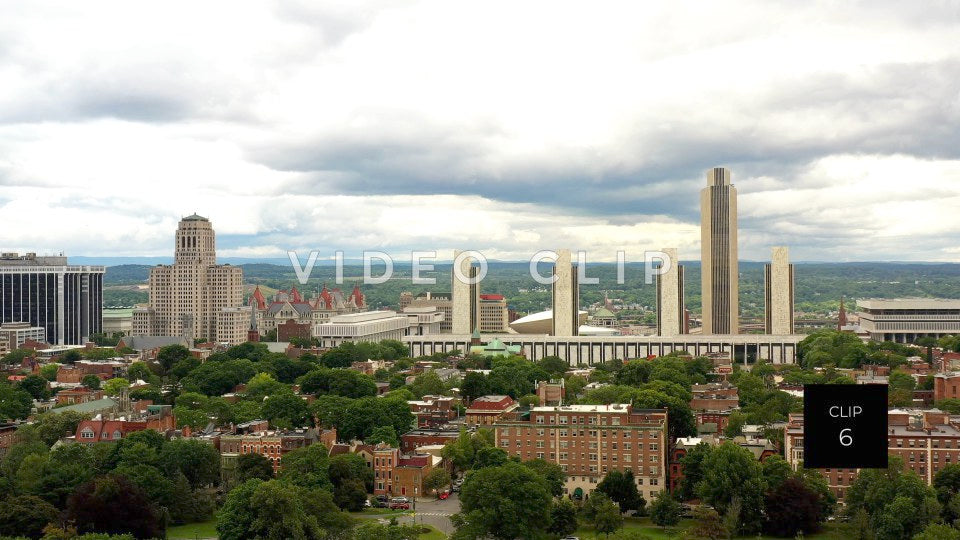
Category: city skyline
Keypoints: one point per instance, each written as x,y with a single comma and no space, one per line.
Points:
340,120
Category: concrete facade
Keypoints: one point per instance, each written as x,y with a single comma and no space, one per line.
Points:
718,254
465,298
670,304
566,296
778,293
905,320
590,350
372,326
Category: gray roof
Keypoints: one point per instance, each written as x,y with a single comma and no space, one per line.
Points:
142,343
95,406
302,308
194,217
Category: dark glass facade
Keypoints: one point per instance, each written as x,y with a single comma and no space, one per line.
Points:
66,301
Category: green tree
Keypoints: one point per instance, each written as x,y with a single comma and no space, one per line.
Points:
902,381
346,467
36,386
735,424
602,513
428,383
474,385
731,472
112,504
791,508
384,434
621,488
436,480
950,405
307,467
898,503
15,403
707,524
551,472
509,501
554,365
251,466
168,356
91,381
51,427
115,386
563,518
49,371
692,464
775,471
938,531
274,510
665,511
25,515
286,410
198,461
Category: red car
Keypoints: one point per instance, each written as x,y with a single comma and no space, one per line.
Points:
443,495
400,503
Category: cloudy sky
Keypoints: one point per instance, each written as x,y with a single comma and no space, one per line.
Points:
501,126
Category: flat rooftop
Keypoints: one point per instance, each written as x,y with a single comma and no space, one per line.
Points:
908,303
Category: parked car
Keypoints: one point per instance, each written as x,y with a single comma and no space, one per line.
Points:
381,501
399,503
443,495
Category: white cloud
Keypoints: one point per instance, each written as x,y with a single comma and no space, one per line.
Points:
504,126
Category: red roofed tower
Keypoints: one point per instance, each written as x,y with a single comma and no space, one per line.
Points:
357,297
326,301
295,296
258,296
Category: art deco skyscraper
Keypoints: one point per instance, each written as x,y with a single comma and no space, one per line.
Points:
718,257
566,296
778,293
670,305
190,297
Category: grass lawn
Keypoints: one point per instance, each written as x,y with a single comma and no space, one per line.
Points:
645,526
434,534
205,529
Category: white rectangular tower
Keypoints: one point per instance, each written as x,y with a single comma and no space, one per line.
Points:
566,293
778,293
670,305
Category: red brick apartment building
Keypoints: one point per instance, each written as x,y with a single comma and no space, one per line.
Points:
486,410
926,441
946,385
588,441
411,440
713,403
399,475
272,445
433,411
158,418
